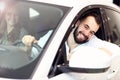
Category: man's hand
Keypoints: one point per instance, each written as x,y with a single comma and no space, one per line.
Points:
28,40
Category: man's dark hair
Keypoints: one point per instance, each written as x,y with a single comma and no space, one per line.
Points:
95,14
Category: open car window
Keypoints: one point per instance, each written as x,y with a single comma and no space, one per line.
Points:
109,31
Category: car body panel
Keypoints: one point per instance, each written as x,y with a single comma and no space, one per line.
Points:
75,6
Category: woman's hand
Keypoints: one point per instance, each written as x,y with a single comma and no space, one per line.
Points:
28,40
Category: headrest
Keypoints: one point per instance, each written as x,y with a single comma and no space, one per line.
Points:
88,57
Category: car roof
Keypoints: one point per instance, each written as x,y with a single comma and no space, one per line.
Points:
77,4
71,3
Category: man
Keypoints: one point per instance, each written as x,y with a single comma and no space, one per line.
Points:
84,32
85,28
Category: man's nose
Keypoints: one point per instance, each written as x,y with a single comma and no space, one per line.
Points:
87,32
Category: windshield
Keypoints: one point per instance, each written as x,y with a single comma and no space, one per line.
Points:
21,18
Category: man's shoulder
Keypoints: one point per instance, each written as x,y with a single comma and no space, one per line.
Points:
103,43
95,38
94,41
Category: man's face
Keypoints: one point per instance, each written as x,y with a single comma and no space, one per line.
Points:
86,29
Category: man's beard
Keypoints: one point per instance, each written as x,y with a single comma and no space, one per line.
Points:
79,41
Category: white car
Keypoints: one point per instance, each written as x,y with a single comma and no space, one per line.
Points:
51,21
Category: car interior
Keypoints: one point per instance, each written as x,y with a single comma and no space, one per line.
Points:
18,66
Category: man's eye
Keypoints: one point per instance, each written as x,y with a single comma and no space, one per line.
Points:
86,27
92,32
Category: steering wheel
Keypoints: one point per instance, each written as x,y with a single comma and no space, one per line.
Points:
33,45
12,57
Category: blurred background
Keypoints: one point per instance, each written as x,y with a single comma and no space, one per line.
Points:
117,2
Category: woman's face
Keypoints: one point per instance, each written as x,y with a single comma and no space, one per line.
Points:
11,17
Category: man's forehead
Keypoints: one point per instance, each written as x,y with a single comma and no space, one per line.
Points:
91,22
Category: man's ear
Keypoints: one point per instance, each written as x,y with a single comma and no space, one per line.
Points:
77,23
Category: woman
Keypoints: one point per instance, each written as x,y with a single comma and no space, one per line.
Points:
10,27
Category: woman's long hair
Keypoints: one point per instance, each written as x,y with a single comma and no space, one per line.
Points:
3,25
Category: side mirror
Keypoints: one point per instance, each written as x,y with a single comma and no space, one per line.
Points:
88,61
